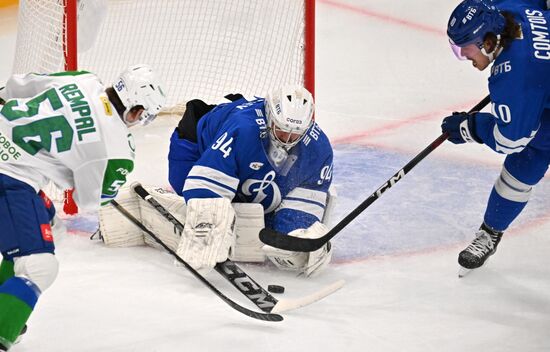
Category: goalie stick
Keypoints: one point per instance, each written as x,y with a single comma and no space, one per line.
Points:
256,315
291,243
238,278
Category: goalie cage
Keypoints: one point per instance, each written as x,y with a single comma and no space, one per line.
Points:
201,49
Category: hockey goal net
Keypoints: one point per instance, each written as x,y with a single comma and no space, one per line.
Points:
200,48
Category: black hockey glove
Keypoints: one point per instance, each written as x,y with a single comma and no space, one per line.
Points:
461,128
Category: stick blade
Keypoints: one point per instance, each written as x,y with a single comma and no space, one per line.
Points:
285,305
290,243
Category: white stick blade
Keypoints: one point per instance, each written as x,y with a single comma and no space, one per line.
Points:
286,305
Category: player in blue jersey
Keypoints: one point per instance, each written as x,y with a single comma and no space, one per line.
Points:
514,36
240,166
264,152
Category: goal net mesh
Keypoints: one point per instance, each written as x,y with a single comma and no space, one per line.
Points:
200,48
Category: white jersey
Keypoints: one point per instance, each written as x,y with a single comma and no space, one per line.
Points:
62,128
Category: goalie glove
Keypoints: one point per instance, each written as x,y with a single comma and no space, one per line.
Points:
309,264
208,233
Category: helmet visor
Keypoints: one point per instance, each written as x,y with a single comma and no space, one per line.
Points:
131,117
283,135
287,138
457,51
146,117
464,52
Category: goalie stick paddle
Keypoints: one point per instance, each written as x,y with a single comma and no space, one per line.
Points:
238,278
256,315
291,243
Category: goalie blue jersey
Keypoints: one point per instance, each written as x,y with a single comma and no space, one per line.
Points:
520,84
233,140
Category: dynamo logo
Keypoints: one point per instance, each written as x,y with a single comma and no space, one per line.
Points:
257,187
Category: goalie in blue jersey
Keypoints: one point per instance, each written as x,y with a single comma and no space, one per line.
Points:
255,164
266,156
514,37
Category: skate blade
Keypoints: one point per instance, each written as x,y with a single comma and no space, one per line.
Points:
462,271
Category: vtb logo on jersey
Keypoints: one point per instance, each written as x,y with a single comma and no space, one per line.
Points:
252,186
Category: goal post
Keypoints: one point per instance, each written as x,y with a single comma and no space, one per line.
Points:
200,48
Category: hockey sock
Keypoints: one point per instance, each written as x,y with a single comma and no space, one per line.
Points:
6,270
501,212
18,297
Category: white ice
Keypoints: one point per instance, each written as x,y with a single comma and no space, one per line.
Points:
385,79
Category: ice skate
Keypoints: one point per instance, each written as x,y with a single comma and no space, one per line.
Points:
482,247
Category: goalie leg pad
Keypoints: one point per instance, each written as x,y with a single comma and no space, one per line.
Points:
208,233
318,260
286,260
309,264
152,219
115,229
247,246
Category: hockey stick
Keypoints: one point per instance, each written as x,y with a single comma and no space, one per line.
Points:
243,310
237,277
291,243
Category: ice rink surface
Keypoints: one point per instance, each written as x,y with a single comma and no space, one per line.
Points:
385,79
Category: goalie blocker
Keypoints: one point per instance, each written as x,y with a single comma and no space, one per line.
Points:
215,230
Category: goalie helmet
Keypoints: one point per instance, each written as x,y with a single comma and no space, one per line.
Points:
289,113
471,20
138,85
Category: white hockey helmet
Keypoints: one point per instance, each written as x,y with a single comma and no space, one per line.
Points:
138,85
289,111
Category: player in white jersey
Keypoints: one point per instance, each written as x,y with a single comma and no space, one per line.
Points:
67,128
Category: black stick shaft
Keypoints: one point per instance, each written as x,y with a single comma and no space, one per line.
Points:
228,269
279,240
241,309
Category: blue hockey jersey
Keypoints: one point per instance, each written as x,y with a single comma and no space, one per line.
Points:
519,84
232,141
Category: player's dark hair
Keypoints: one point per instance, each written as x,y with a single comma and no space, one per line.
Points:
512,30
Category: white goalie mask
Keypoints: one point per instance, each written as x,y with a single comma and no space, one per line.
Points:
289,113
139,86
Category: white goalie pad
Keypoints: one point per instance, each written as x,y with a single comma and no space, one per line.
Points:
332,196
117,231
309,264
153,220
247,246
208,233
